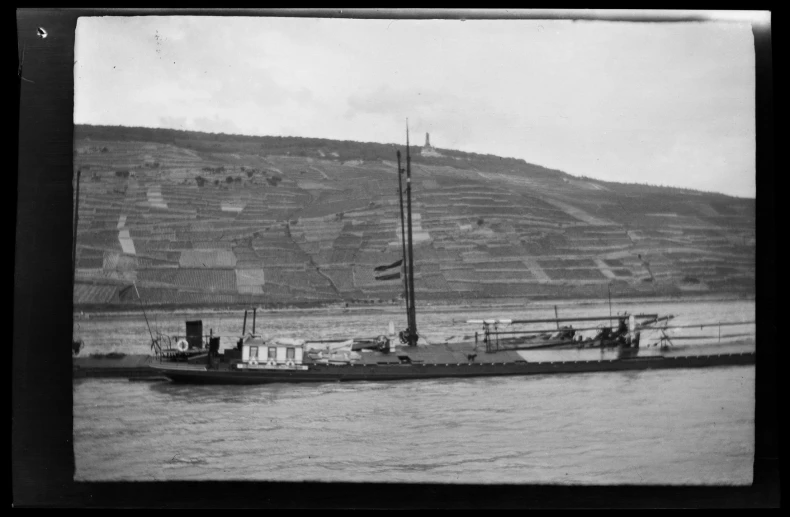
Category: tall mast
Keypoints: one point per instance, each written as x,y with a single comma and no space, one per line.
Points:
144,314
74,241
413,323
403,243
76,345
609,290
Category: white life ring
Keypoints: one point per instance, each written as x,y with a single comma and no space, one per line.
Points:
254,362
272,363
182,345
290,363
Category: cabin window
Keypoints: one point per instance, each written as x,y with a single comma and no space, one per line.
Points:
272,352
253,352
290,353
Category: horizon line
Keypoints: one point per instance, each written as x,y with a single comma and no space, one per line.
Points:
579,177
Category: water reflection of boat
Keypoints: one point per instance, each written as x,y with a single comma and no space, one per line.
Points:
388,357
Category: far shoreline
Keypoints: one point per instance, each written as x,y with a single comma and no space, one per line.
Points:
340,308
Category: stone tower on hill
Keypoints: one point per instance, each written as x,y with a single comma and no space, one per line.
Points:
427,150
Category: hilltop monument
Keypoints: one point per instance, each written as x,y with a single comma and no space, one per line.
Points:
427,149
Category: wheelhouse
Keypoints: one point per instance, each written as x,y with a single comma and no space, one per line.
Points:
272,353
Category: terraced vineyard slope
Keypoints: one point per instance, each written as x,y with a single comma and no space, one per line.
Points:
196,219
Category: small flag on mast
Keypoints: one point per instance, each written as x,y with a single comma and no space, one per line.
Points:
393,265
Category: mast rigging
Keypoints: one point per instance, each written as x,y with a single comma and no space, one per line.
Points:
403,244
412,337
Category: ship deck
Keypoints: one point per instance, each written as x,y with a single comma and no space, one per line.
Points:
457,353
440,354
138,366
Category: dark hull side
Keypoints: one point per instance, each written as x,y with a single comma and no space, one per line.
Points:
346,373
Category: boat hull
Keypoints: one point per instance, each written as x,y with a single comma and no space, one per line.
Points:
358,372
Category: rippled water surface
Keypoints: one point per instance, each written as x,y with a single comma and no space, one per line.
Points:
652,427
670,426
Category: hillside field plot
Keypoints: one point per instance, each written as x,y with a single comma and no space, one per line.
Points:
207,258
113,260
250,277
317,229
322,209
206,279
574,274
341,278
567,263
250,289
158,275
433,282
153,295
517,276
90,262
508,265
88,293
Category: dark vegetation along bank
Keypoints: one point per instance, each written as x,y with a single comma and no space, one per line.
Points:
197,219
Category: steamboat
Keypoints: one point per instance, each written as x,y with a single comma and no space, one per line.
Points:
498,350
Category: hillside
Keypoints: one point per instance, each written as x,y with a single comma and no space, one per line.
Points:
218,220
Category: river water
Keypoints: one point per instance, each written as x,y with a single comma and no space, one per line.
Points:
691,426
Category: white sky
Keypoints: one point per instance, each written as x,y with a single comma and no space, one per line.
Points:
660,103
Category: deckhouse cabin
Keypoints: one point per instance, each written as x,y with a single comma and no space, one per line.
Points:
275,353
